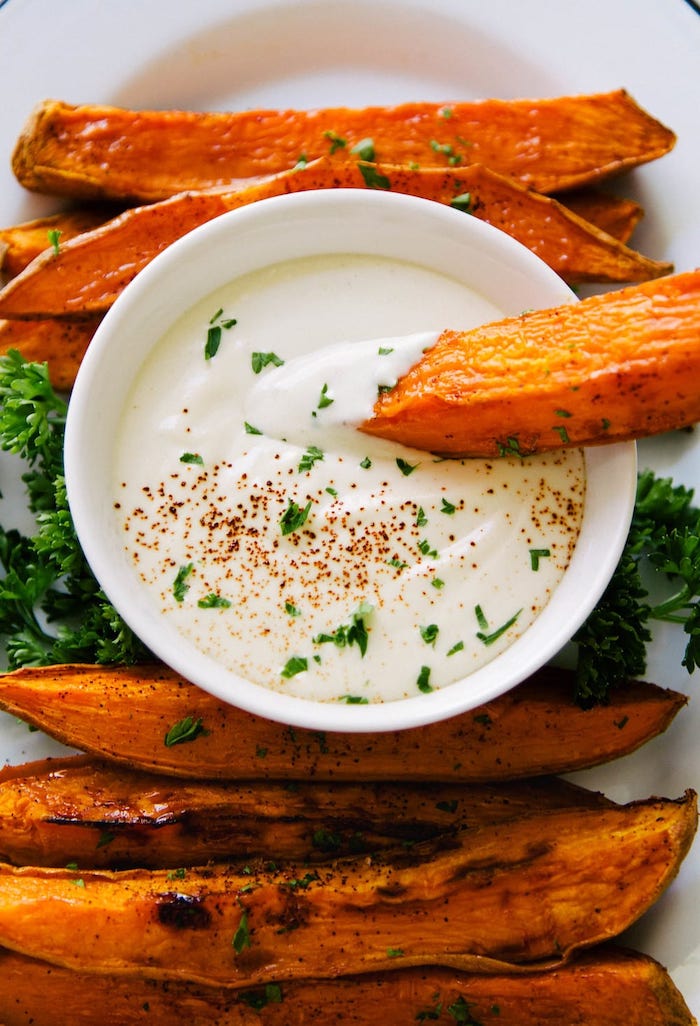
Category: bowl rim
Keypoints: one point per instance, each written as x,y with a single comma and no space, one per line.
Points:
611,470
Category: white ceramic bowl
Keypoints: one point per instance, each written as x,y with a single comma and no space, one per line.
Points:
274,230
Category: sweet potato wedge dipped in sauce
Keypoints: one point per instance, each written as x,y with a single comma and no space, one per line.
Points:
613,367
603,987
526,892
104,152
533,730
85,275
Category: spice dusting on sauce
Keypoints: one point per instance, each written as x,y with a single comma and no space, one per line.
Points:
300,553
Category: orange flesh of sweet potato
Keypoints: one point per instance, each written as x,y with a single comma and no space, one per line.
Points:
107,152
612,214
88,273
99,815
604,987
61,344
613,367
534,729
20,244
529,891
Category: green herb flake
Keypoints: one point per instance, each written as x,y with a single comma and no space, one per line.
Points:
292,610
398,564
364,149
394,952
259,361
426,549
353,633
430,633
312,455
294,517
302,161
438,583
177,874
448,507
217,325
562,413
250,430
562,432
270,994
366,463
490,638
54,235
457,647
423,680
324,398
463,202
405,467
214,601
180,585
511,447
187,729
294,666
241,938
332,491
192,457
421,519
373,178
337,142
536,555
354,700
385,350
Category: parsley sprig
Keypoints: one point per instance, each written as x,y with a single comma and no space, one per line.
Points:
52,609
657,578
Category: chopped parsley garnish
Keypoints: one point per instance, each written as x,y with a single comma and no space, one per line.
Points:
302,161
217,324
352,633
511,447
180,585
373,179
536,555
366,463
562,432
426,549
54,235
294,516
250,430
188,729
364,150
398,564
385,350
214,601
448,507
192,457
492,636
405,467
259,361
423,682
430,633
463,202
438,583
292,610
332,491
562,413
354,700
324,399
312,455
457,647
270,994
241,938
293,666
394,952
337,142
421,519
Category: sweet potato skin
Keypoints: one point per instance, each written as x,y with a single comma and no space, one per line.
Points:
140,156
525,893
614,367
534,729
22,243
61,344
89,272
96,815
604,987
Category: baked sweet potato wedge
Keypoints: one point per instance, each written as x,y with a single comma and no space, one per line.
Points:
20,244
604,987
61,344
613,367
529,891
612,214
87,273
99,815
103,152
126,713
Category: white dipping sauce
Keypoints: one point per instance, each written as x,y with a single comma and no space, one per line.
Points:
400,572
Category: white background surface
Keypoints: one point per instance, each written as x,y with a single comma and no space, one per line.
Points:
217,54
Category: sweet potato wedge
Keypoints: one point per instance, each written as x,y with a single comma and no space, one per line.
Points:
88,273
98,815
613,367
529,891
123,714
604,987
20,244
61,344
103,152
612,214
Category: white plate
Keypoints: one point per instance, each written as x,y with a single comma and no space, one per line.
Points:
220,54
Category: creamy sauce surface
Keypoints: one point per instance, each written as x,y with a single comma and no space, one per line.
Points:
297,551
